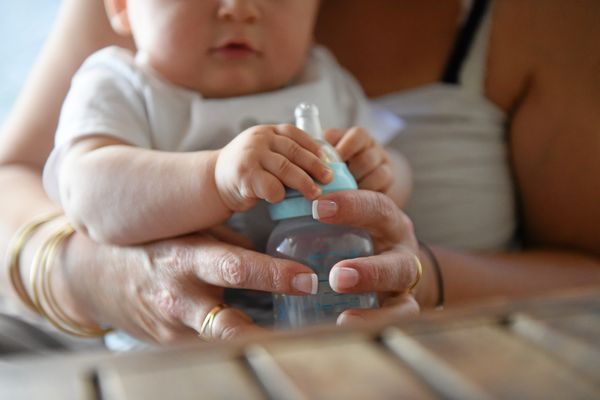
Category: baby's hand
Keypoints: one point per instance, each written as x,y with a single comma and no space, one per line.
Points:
366,159
261,161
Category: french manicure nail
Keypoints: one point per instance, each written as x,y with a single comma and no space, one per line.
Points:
343,278
306,283
323,209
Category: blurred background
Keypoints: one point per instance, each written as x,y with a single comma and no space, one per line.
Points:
24,25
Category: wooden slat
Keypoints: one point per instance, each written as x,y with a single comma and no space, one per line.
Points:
573,340
583,326
435,372
276,382
344,367
226,378
48,386
505,365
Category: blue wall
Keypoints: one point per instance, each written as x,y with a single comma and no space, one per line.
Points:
24,25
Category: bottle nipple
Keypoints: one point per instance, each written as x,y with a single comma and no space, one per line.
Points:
307,119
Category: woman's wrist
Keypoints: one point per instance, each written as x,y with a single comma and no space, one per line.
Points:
430,291
63,281
437,276
58,281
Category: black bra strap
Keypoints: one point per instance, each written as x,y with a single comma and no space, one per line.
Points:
464,41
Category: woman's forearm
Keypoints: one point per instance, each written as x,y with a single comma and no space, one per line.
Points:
126,195
22,200
28,133
473,276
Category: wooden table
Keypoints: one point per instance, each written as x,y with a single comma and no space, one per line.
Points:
546,348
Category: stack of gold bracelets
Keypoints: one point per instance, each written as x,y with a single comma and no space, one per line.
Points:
43,300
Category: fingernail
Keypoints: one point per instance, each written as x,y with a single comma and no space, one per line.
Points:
349,319
323,209
343,278
327,175
306,283
317,191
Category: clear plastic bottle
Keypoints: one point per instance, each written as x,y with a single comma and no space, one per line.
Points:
299,237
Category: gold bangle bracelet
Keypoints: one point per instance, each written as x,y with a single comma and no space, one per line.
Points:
14,255
43,297
51,298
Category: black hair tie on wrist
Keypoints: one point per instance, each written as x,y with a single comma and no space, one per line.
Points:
439,304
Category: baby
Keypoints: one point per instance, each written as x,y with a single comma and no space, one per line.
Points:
181,135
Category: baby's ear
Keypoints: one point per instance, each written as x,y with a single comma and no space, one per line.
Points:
117,15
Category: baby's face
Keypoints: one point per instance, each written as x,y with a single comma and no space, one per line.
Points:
224,48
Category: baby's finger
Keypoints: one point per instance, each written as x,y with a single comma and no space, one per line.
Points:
378,180
290,175
303,158
333,136
299,136
365,162
353,142
266,186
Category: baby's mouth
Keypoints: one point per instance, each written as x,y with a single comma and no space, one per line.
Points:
234,50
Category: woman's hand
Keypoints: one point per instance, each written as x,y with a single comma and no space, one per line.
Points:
392,269
163,291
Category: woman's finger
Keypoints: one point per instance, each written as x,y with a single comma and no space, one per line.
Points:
192,313
393,271
209,319
230,323
373,211
224,265
401,306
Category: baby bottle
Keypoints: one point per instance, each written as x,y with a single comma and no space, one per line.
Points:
320,246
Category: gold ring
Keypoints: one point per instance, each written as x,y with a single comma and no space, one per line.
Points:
419,273
206,328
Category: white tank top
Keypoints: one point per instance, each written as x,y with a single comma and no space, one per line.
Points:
454,138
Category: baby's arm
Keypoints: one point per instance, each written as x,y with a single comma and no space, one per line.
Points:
122,194
373,167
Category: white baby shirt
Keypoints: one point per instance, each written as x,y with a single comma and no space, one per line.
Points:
115,94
